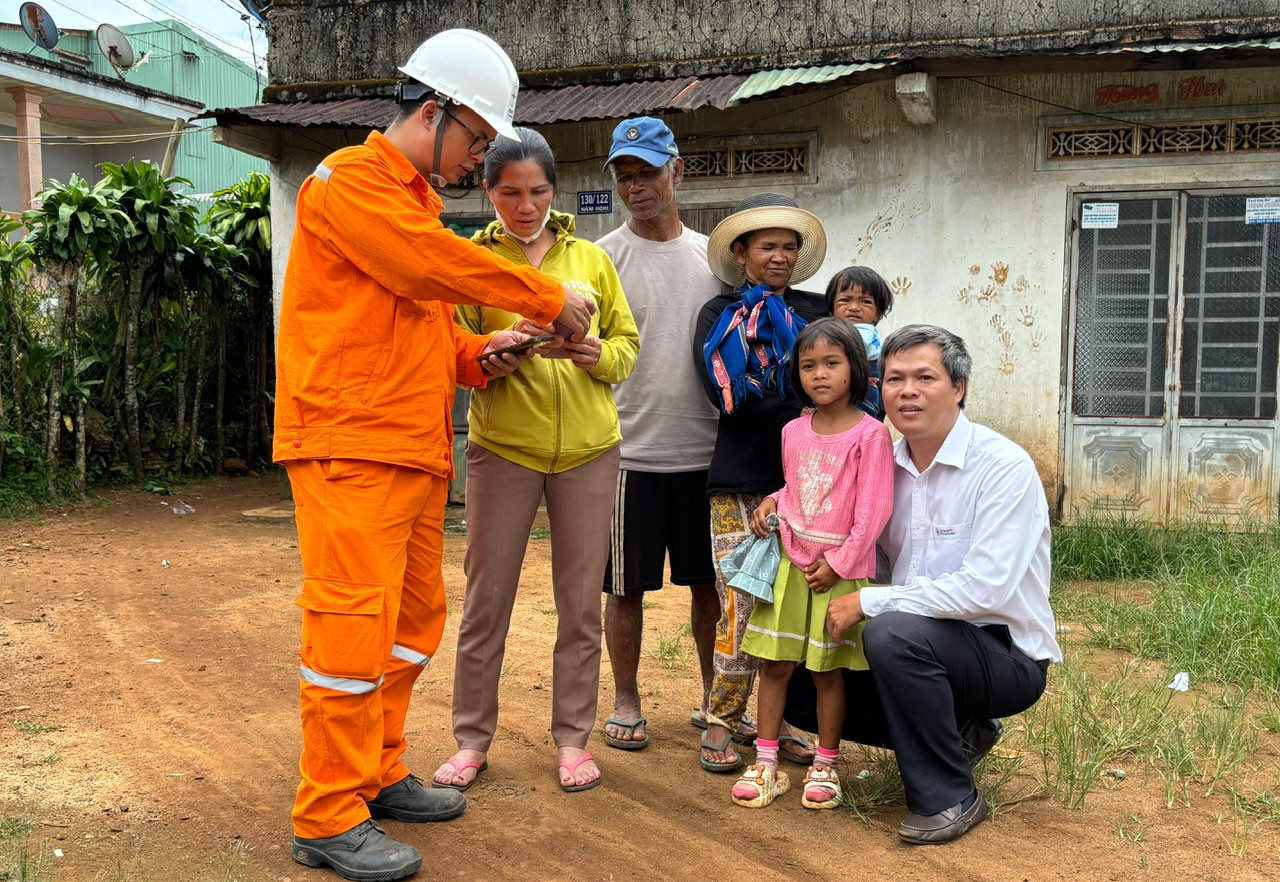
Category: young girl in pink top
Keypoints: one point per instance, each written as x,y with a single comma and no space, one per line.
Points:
838,465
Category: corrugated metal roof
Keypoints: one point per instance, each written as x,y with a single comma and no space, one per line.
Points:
367,113
535,106
619,100
766,81
1181,47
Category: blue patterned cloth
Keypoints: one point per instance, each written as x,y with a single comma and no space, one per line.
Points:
748,350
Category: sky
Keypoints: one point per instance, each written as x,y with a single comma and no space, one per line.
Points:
218,21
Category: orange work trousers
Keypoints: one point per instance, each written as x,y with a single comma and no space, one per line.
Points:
373,610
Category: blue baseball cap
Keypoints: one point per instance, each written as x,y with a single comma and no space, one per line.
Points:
646,138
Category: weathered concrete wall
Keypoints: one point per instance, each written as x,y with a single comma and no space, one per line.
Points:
320,41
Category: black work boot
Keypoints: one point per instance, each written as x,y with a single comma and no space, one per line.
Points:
408,800
364,853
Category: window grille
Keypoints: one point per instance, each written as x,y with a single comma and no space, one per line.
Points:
1189,138
1257,134
736,161
1184,138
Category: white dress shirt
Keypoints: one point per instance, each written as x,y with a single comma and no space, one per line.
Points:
969,539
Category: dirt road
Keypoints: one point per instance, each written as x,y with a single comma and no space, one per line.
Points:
148,686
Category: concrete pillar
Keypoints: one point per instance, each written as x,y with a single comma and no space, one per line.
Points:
26,110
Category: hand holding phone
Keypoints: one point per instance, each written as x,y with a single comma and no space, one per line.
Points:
522,346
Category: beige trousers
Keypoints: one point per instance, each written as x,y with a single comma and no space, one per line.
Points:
502,499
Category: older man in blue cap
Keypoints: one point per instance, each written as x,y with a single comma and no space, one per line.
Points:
668,425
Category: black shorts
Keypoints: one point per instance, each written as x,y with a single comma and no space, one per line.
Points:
658,514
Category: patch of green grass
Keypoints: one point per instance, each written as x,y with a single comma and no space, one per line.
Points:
51,759
670,650
235,861
1207,600
1131,828
869,781
31,727
15,826
685,629
17,864
1177,765
540,533
1264,806
1224,735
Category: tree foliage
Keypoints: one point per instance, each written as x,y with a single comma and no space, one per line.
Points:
117,306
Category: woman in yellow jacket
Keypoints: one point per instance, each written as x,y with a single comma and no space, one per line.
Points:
550,428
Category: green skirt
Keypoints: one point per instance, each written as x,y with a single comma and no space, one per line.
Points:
794,626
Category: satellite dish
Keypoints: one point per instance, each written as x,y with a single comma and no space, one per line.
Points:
115,46
38,24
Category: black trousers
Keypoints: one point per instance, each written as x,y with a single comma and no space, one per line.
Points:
928,678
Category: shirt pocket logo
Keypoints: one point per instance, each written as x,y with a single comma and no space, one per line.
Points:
948,544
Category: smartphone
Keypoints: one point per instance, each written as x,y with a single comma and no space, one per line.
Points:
531,342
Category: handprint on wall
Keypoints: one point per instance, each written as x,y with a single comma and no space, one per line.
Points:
1037,340
1027,315
901,286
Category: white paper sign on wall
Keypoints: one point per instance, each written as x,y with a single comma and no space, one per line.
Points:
1262,210
1100,216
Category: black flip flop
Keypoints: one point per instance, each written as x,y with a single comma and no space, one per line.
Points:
627,743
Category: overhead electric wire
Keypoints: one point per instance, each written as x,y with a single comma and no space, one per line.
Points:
102,140
148,20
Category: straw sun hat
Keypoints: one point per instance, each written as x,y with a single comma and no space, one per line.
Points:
766,211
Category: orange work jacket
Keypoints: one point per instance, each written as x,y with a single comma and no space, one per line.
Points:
368,356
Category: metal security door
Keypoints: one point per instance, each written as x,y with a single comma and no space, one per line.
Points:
1225,433
1118,438
1175,323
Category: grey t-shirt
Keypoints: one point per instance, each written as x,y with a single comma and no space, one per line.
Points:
668,424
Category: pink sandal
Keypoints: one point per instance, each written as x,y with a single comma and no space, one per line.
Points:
759,786
458,769
821,788
571,767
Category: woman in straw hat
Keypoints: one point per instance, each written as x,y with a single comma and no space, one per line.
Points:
743,341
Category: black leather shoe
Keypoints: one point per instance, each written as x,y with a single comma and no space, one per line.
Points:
408,800
364,853
946,825
979,736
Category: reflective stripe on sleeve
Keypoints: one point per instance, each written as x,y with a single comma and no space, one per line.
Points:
412,656
322,172
337,684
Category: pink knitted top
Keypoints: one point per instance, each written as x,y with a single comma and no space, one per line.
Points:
838,495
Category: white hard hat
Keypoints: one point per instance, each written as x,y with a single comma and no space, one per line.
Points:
471,69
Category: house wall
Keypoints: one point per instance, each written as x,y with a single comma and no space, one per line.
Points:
317,41
60,162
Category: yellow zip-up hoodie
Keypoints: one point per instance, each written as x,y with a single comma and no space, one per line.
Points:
549,415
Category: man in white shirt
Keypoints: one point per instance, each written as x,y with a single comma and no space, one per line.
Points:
963,632
668,425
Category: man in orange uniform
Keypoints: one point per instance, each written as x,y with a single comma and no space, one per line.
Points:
368,359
